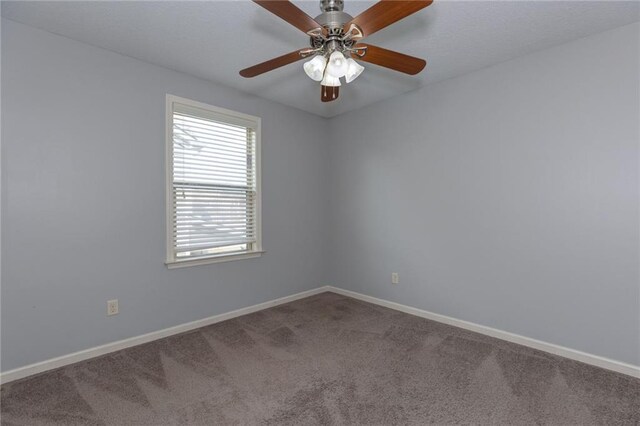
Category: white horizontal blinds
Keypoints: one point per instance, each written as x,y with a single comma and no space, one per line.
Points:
214,183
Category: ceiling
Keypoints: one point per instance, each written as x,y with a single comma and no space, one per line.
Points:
213,40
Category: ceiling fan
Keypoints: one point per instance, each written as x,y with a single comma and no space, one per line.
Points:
335,41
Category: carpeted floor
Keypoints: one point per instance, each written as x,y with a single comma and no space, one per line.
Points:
327,359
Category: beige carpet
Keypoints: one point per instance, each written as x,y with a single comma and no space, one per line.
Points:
327,359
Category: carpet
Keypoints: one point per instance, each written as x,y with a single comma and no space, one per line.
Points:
326,359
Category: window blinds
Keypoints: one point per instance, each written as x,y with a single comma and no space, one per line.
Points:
213,183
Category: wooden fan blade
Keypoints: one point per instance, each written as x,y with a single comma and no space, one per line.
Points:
390,59
385,13
290,13
273,63
329,93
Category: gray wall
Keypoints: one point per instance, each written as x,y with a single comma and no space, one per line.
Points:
83,200
507,197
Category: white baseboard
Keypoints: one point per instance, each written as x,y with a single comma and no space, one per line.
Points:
61,361
598,361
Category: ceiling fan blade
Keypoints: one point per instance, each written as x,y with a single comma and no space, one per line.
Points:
329,93
274,63
290,13
390,59
385,13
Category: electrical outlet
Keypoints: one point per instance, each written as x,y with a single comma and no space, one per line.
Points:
112,307
395,279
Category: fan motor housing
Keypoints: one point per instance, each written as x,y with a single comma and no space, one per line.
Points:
333,21
331,5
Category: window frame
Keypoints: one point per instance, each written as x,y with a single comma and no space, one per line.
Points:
256,251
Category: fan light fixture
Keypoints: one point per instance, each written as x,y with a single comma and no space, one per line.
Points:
329,74
315,67
330,80
337,66
353,71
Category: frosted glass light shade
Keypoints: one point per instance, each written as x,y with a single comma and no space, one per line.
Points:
330,80
315,67
354,69
338,65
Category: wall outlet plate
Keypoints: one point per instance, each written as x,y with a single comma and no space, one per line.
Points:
395,279
112,307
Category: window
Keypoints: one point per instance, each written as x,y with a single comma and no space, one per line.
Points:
213,184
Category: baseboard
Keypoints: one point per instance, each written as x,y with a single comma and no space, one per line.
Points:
50,364
573,354
598,361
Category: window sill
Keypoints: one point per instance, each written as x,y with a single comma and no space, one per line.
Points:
213,259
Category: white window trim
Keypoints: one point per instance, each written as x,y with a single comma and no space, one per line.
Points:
257,250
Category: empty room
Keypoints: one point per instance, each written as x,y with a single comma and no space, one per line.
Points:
321,212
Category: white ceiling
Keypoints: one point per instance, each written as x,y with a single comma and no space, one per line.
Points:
215,39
